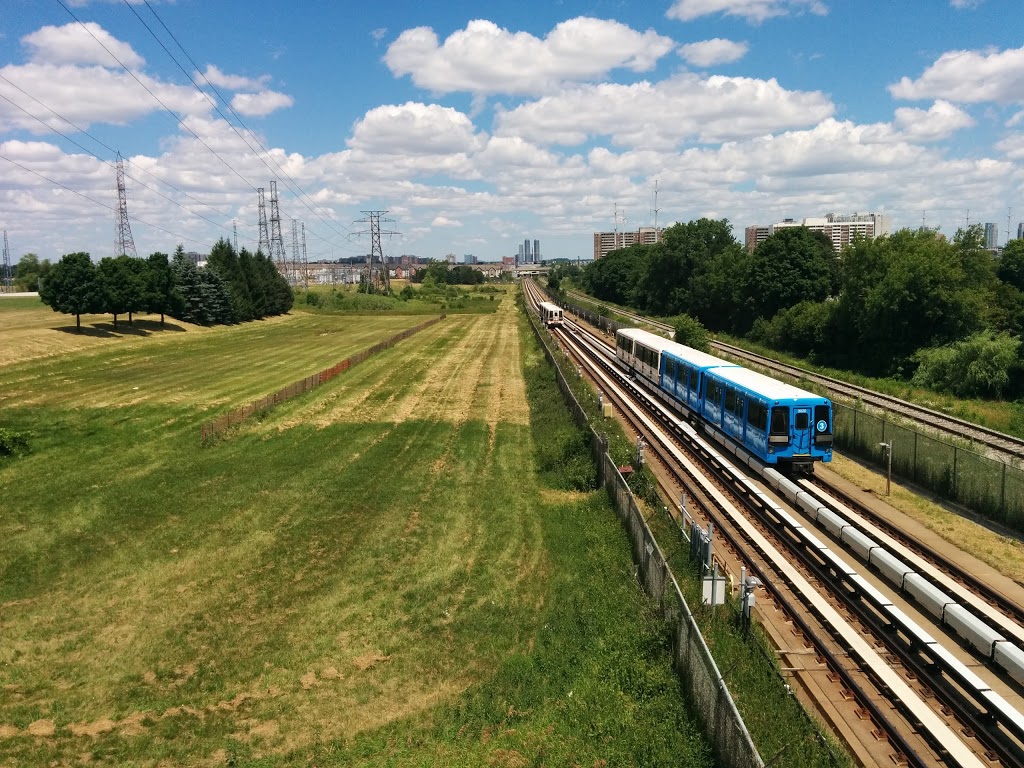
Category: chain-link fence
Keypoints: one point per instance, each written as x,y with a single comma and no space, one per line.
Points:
991,488
214,427
987,486
691,657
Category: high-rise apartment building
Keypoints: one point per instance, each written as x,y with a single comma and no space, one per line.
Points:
536,251
1020,231
605,242
755,235
991,235
838,228
527,256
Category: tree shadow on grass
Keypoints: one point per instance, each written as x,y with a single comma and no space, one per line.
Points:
108,331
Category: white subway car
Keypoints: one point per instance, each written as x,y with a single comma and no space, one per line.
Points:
550,314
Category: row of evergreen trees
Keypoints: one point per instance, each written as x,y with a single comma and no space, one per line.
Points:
232,288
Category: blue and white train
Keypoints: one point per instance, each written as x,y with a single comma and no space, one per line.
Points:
776,422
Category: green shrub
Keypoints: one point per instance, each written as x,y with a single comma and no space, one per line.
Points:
690,332
13,443
978,366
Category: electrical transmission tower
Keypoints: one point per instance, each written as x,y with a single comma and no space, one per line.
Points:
123,242
234,227
295,251
305,261
277,254
8,275
264,246
376,278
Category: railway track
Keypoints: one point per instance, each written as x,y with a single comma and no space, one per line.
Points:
994,443
1002,743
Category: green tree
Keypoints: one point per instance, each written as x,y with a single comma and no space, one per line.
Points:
225,262
1011,264
685,250
29,270
906,291
187,292
715,289
125,286
73,287
615,277
159,291
793,265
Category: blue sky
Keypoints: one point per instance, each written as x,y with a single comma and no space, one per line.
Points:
480,125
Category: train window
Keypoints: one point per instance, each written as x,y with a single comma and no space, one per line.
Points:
693,379
802,420
820,416
780,421
738,405
730,400
757,415
670,368
712,391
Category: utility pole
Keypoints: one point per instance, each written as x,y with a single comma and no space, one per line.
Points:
234,226
374,280
277,254
264,246
123,242
8,275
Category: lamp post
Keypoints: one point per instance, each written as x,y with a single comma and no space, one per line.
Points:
888,471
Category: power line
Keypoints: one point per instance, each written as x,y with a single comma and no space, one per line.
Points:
112,153
155,97
94,200
288,180
119,167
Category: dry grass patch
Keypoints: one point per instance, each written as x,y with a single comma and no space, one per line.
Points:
478,377
1003,553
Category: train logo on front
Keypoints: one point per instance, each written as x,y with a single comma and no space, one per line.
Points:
822,425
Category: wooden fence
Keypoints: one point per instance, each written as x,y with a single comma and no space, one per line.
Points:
219,426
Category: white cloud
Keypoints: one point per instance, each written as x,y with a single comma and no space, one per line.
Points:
484,58
965,3
752,10
260,104
1012,146
939,122
379,34
234,82
969,77
1017,119
87,95
707,53
414,129
79,44
444,221
664,114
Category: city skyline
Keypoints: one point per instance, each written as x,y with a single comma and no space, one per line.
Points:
558,120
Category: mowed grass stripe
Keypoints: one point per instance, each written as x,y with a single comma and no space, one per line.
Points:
372,592
222,367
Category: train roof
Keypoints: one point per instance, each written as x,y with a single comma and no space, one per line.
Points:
549,305
679,351
765,386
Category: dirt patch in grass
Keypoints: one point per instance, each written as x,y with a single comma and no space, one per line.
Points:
369,660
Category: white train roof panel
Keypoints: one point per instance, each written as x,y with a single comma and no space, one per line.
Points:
687,354
763,385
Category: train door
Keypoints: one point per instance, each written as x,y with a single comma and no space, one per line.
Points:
802,430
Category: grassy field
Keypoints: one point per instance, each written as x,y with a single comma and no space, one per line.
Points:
375,573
